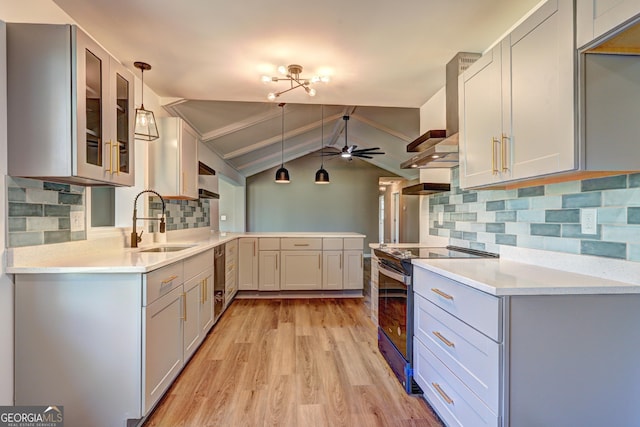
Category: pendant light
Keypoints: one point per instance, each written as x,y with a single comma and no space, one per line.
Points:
322,176
282,174
146,127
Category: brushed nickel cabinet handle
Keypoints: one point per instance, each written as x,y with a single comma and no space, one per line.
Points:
442,393
443,339
442,294
169,280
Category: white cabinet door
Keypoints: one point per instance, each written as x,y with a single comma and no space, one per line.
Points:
481,125
332,271
247,264
541,105
597,17
206,302
301,270
521,89
353,265
269,271
163,346
173,164
189,162
191,317
120,116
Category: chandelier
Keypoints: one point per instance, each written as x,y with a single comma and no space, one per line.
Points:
292,75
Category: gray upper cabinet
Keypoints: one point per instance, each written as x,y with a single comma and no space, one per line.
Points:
70,108
598,17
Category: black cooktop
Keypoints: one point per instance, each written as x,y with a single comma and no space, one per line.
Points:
434,252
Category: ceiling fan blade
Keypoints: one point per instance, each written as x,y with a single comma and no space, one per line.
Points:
352,148
368,153
362,150
362,156
331,154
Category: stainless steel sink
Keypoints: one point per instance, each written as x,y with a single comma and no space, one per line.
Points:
166,249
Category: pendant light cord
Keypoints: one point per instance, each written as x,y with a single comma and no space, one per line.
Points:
322,137
282,144
142,89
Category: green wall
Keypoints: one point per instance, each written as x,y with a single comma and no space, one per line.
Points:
349,203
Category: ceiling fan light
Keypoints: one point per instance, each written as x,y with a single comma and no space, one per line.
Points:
282,176
322,176
345,154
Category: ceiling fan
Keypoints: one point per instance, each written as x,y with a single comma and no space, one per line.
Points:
349,151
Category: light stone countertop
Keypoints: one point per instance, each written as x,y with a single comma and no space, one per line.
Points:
89,257
502,277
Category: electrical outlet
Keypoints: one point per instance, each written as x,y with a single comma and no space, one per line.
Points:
223,217
589,221
77,220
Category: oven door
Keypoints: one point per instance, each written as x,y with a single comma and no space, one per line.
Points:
393,294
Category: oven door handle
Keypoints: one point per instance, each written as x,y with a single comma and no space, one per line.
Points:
382,269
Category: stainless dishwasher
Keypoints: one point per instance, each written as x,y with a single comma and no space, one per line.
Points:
219,271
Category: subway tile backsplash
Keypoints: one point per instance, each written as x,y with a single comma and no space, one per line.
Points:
543,217
181,214
39,212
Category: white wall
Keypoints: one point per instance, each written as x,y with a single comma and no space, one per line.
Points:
433,112
232,205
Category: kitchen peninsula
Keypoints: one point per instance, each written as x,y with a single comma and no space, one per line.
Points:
104,330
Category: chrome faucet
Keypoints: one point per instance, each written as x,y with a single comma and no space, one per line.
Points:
135,238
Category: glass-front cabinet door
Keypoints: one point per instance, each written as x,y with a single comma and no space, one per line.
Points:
92,86
105,115
121,117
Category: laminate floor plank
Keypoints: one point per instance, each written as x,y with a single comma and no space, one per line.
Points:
290,362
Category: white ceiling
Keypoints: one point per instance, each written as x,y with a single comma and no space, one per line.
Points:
211,54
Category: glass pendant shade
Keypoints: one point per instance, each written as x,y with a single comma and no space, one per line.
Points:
146,127
282,175
322,176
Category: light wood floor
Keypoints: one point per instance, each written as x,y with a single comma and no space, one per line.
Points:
307,362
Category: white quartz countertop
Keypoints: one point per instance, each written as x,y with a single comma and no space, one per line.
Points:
55,260
503,277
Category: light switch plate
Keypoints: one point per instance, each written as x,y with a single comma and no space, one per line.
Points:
77,220
223,217
589,221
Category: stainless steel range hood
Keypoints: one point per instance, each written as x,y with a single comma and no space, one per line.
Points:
439,148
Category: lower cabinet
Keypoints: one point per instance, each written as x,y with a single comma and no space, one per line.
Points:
247,264
353,267
205,312
231,268
269,271
301,270
332,271
525,360
163,345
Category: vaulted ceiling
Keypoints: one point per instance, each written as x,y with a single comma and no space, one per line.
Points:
385,60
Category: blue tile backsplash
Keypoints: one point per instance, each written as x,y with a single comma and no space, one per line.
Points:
543,217
181,214
39,212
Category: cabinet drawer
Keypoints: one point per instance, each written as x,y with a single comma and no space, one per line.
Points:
231,247
161,281
353,244
478,309
454,402
470,355
197,264
332,244
291,243
269,243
